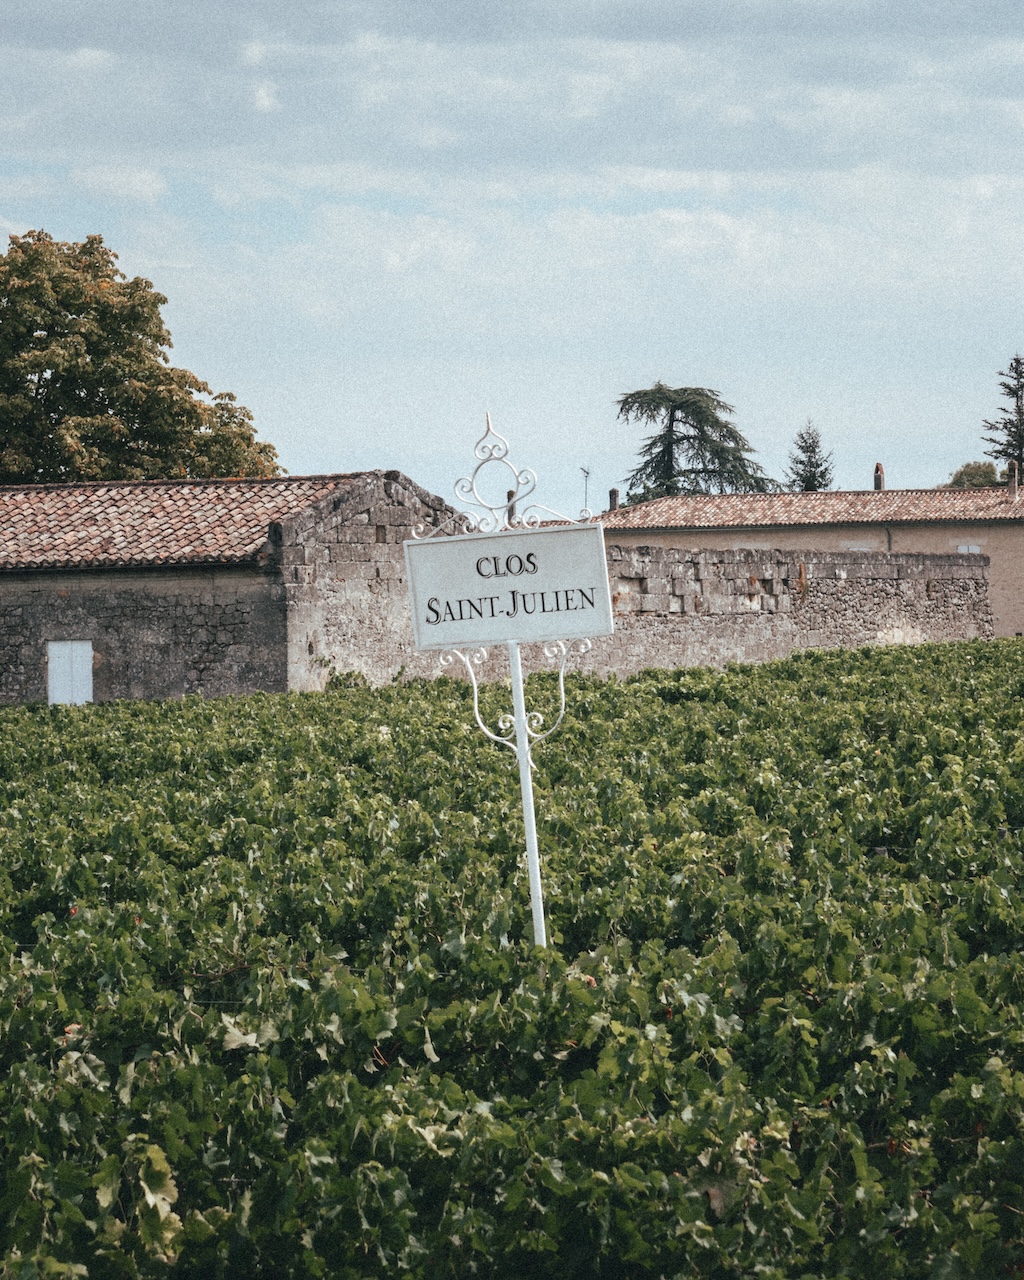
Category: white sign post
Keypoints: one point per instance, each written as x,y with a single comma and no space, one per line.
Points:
509,579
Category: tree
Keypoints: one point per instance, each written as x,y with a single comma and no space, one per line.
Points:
694,449
1009,426
973,475
87,391
810,468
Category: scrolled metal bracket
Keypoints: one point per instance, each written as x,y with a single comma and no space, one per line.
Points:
564,651
506,737
491,450
471,661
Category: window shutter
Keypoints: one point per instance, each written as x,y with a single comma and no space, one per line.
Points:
69,671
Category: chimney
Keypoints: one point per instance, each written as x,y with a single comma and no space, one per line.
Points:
613,499
879,476
1011,480
510,499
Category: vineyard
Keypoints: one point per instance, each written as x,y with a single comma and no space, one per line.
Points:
269,1004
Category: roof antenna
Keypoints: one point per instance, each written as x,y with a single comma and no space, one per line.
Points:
586,483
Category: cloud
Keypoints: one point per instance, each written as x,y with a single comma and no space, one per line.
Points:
88,59
118,183
462,21
871,232
8,228
439,188
265,96
26,186
722,100
778,197
580,272
254,53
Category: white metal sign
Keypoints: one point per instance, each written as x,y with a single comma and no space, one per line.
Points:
508,581
523,585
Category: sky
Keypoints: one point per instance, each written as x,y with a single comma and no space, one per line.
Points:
374,221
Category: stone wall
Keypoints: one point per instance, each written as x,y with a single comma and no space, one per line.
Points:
343,570
706,608
330,595
1001,540
156,633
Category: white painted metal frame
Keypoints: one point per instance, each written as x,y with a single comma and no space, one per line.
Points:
522,729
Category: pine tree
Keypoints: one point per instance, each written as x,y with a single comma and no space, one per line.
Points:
694,449
1009,426
810,468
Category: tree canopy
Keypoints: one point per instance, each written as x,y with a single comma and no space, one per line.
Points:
694,449
87,391
973,475
810,467
1008,427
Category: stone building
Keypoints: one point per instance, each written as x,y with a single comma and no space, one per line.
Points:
933,522
163,588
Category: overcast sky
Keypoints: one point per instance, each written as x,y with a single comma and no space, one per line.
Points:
373,220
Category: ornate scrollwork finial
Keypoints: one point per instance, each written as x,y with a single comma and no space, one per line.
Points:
491,450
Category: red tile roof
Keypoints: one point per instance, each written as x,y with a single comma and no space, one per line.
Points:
869,506
153,522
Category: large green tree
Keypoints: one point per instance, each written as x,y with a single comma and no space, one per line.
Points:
87,390
1008,427
694,448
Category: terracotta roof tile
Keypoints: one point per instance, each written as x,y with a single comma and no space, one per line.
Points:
869,506
153,522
